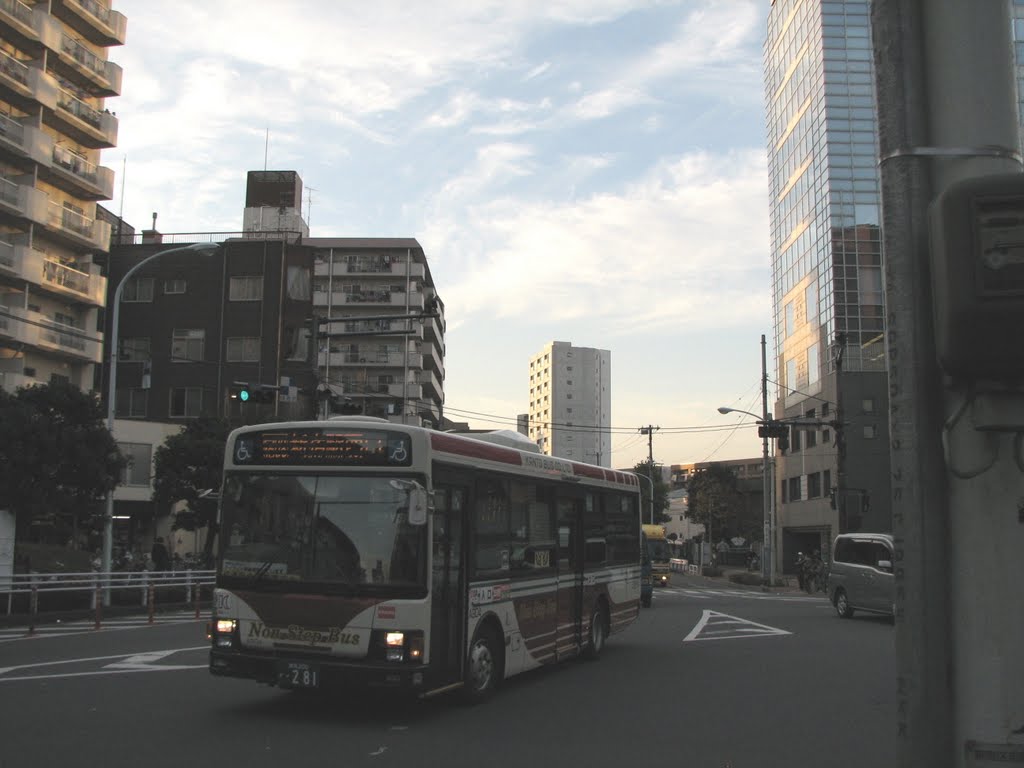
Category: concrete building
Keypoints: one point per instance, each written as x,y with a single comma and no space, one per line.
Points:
570,402
326,322
55,80
826,255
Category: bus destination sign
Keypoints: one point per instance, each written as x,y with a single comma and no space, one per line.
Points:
349,447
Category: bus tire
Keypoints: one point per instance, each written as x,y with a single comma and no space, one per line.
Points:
598,633
484,666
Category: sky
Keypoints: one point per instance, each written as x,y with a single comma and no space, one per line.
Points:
589,171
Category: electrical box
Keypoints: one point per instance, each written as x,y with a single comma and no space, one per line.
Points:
977,264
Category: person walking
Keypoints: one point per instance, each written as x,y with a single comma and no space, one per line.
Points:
161,559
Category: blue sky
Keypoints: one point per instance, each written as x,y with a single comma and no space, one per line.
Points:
590,171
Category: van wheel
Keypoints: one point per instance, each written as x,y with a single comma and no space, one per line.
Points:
843,605
483,667
598,633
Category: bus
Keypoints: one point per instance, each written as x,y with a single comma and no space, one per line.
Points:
658,551
359,552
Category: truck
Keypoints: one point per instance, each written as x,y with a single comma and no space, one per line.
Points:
658,553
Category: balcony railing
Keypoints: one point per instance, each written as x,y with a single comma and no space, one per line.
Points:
13,68
66,277
9,191
8,257
72,221
104,26
75,106
107,72
77,165
12,130
18,10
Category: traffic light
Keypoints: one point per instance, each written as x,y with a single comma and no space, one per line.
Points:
253,393
782,435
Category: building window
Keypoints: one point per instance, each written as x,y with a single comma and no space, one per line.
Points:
140,456
131,403
790,319
243,349
814,485
187,345
186,403
794,488
246,288
791,375
870,431
568,397
826,480
569,382
134,349
813,364
137,290
868,405
174,286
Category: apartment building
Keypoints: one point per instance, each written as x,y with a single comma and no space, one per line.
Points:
570,402
55,79
826,256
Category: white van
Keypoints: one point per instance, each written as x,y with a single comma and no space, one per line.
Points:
861,575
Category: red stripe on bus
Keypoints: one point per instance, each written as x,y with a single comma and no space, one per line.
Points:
475,449
588,471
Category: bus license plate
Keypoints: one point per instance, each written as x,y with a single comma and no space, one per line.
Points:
294,674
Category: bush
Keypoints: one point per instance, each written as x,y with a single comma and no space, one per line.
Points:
753,579
711,570
46,558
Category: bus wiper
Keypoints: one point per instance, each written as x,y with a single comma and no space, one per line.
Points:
261,572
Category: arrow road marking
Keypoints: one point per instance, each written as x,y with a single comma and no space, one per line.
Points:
141,662
720,626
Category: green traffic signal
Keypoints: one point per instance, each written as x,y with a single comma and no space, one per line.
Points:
243,395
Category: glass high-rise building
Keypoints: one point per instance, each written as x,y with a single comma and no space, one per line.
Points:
826,255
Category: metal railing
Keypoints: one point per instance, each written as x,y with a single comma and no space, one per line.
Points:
84,591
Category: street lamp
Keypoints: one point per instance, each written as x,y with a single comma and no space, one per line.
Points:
204,249
766,488
650,505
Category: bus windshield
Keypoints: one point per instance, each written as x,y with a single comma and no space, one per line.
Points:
348,532
658,550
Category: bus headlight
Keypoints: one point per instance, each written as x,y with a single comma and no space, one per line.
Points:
224,632
225,626
393,639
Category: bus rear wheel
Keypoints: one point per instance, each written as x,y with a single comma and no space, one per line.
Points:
598,633
483,667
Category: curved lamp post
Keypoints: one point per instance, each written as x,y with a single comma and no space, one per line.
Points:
204,249
766,488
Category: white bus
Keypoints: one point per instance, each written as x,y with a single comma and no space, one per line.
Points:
356,551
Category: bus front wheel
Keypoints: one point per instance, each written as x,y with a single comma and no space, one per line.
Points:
483,668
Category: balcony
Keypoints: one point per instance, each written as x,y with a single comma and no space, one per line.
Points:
26,86
77,229
79,177
99,75
432,388
433,359
10,381
368,359
32,266
97,23
87,125
36,330
22,201
25,140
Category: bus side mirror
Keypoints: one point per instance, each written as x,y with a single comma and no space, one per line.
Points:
418,506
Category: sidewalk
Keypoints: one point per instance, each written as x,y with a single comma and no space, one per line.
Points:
783,584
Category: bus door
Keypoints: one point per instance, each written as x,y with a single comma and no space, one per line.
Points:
570,576
448,584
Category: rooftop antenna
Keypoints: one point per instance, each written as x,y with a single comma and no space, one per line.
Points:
309,203
266,148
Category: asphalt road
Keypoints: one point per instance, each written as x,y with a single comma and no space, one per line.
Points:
706,678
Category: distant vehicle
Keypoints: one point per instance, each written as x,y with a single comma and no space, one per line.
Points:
356,552
861,575
659,553
646,579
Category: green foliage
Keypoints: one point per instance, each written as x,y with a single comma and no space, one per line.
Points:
661,501
58,460
752,579
714,498
189,464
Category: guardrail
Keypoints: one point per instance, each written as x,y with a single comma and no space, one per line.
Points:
124,584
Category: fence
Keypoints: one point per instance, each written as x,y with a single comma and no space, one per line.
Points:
84,591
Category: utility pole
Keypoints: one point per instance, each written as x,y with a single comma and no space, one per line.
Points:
766,485
947,111
649,431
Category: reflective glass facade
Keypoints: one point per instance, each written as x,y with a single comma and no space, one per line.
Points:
824,191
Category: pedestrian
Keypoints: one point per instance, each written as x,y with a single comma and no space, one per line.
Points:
161,560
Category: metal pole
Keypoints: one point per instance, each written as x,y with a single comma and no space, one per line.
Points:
766,490
108,520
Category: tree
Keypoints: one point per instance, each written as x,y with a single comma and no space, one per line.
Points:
714,498
189,467
58,461
661,501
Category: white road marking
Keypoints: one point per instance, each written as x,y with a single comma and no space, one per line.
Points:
720,626
139,662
